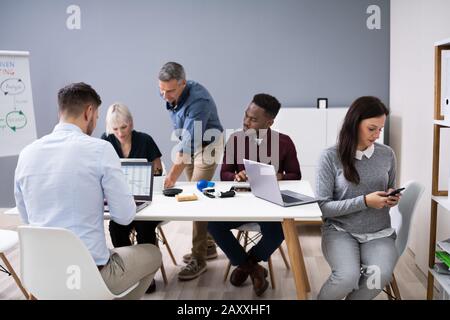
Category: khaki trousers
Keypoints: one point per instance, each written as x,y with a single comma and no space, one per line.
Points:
203,166
130,265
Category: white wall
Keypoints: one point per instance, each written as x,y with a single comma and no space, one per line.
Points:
415,26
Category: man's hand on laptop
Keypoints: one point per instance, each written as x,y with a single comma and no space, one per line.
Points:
241,176
279,176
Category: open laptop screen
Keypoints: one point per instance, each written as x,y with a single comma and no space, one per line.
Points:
139,176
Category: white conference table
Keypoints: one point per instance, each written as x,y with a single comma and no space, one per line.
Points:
243,207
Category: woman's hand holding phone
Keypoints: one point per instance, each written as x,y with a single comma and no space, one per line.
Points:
393,197
381,199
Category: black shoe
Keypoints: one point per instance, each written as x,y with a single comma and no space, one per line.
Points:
152,287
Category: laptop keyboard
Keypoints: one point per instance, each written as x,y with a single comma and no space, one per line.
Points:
289,199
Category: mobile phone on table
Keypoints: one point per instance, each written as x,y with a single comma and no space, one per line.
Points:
395,192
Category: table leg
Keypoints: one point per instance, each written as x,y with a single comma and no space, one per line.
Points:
296,258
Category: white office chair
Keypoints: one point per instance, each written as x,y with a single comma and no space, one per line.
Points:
243,233
55,264
8,239
401,217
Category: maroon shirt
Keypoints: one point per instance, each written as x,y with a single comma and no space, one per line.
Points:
286,164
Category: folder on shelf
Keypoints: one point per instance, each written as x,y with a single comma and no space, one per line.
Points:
444,245
441,268
444,257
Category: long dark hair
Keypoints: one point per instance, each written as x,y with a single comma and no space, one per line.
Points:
361,109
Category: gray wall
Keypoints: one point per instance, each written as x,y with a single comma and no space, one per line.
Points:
297,50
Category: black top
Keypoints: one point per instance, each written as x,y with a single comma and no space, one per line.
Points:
142,146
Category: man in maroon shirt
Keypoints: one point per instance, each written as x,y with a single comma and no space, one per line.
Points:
259,143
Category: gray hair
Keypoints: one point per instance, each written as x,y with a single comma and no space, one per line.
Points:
117,114
172,70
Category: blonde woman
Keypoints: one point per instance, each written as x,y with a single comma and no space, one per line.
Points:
129,143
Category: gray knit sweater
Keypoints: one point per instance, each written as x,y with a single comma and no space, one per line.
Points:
342,202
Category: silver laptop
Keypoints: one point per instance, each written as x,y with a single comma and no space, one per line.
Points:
139,176
264,185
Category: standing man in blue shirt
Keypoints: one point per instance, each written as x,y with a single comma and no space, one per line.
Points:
197,126
62,179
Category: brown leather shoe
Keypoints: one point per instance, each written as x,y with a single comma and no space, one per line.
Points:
258,275
238,276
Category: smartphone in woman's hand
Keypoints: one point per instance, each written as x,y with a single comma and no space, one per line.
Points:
395,192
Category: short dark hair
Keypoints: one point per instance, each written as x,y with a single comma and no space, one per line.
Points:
269,103
73,98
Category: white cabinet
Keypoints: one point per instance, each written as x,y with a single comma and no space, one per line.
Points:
307,129
312,130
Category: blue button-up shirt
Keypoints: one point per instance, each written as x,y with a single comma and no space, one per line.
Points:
194,105
62,179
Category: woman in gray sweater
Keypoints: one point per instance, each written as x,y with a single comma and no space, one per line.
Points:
353,181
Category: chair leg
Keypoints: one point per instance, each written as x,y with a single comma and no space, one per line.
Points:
14,275
163,272
395,288
239,236
245,240
163,236
389,292
283,255
227,270
272,277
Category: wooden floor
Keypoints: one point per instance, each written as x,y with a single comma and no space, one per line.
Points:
210,285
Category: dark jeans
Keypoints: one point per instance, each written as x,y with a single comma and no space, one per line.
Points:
145,233
272,237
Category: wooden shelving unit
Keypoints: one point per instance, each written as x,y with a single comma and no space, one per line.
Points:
439,197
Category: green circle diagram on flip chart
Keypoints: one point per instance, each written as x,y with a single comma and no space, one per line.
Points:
17,125
15,119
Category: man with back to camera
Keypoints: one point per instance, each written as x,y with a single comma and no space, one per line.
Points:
62,179
256,142
191,105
